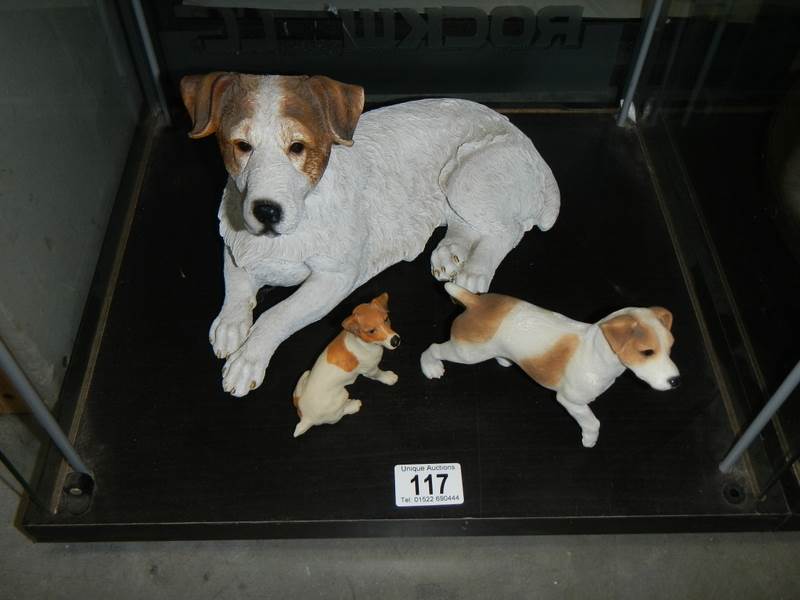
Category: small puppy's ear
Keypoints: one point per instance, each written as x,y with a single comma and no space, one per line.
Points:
203,97
663,315
618,331
342,104
382,301
351,324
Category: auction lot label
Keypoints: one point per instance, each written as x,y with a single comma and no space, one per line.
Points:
434,484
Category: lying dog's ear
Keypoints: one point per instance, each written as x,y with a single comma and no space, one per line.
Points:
663,315
618,331
203,97
342,105
351,324
382,301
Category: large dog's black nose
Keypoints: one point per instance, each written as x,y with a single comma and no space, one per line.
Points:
394,341
674,382
267,212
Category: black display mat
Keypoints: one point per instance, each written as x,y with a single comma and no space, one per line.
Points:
176,457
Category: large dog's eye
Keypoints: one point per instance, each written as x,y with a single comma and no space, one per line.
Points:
370,331
648,352
243,146
296,147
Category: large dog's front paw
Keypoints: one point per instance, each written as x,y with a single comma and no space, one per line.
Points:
229,330
244,370
447,260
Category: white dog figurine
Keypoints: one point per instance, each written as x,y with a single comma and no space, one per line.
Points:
320,396
313,199
579,361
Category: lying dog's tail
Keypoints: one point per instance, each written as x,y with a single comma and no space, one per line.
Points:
460,295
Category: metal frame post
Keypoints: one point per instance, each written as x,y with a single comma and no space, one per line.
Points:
39,410
641,56
152,60
770,408
21,480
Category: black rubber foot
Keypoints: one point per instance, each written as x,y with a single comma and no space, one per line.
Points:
77,493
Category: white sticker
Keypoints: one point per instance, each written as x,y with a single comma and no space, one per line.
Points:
428,484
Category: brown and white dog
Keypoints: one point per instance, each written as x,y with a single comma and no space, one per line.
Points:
579,361
320,396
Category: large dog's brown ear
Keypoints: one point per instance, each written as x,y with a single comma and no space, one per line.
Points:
203,96
341,103
618,331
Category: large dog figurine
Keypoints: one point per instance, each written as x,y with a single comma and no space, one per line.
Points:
321,196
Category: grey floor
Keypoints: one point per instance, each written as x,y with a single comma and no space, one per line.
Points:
632,566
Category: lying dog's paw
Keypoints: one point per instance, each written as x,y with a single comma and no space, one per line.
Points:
432,367
229,330
244,370
447,260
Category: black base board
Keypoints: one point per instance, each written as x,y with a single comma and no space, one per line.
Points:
174,457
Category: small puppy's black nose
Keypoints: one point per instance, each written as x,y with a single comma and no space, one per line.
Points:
267,212
674,381
394,341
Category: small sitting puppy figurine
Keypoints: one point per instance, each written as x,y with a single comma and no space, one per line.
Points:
320,396
579,361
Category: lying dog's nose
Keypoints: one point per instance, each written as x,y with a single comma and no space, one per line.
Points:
394,341
267,212
674,381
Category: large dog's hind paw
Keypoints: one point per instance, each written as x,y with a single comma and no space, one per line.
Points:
447,260
229,330
244,370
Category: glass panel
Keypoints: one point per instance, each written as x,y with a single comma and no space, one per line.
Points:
724,87
69,105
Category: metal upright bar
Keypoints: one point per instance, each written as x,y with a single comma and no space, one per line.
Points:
21,480
771,407
39,410
711,53
152,60
644,49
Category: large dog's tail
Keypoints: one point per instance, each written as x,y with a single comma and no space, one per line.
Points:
551,203
460,295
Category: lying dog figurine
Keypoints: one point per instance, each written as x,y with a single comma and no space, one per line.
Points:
301,206
320,396
579,361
